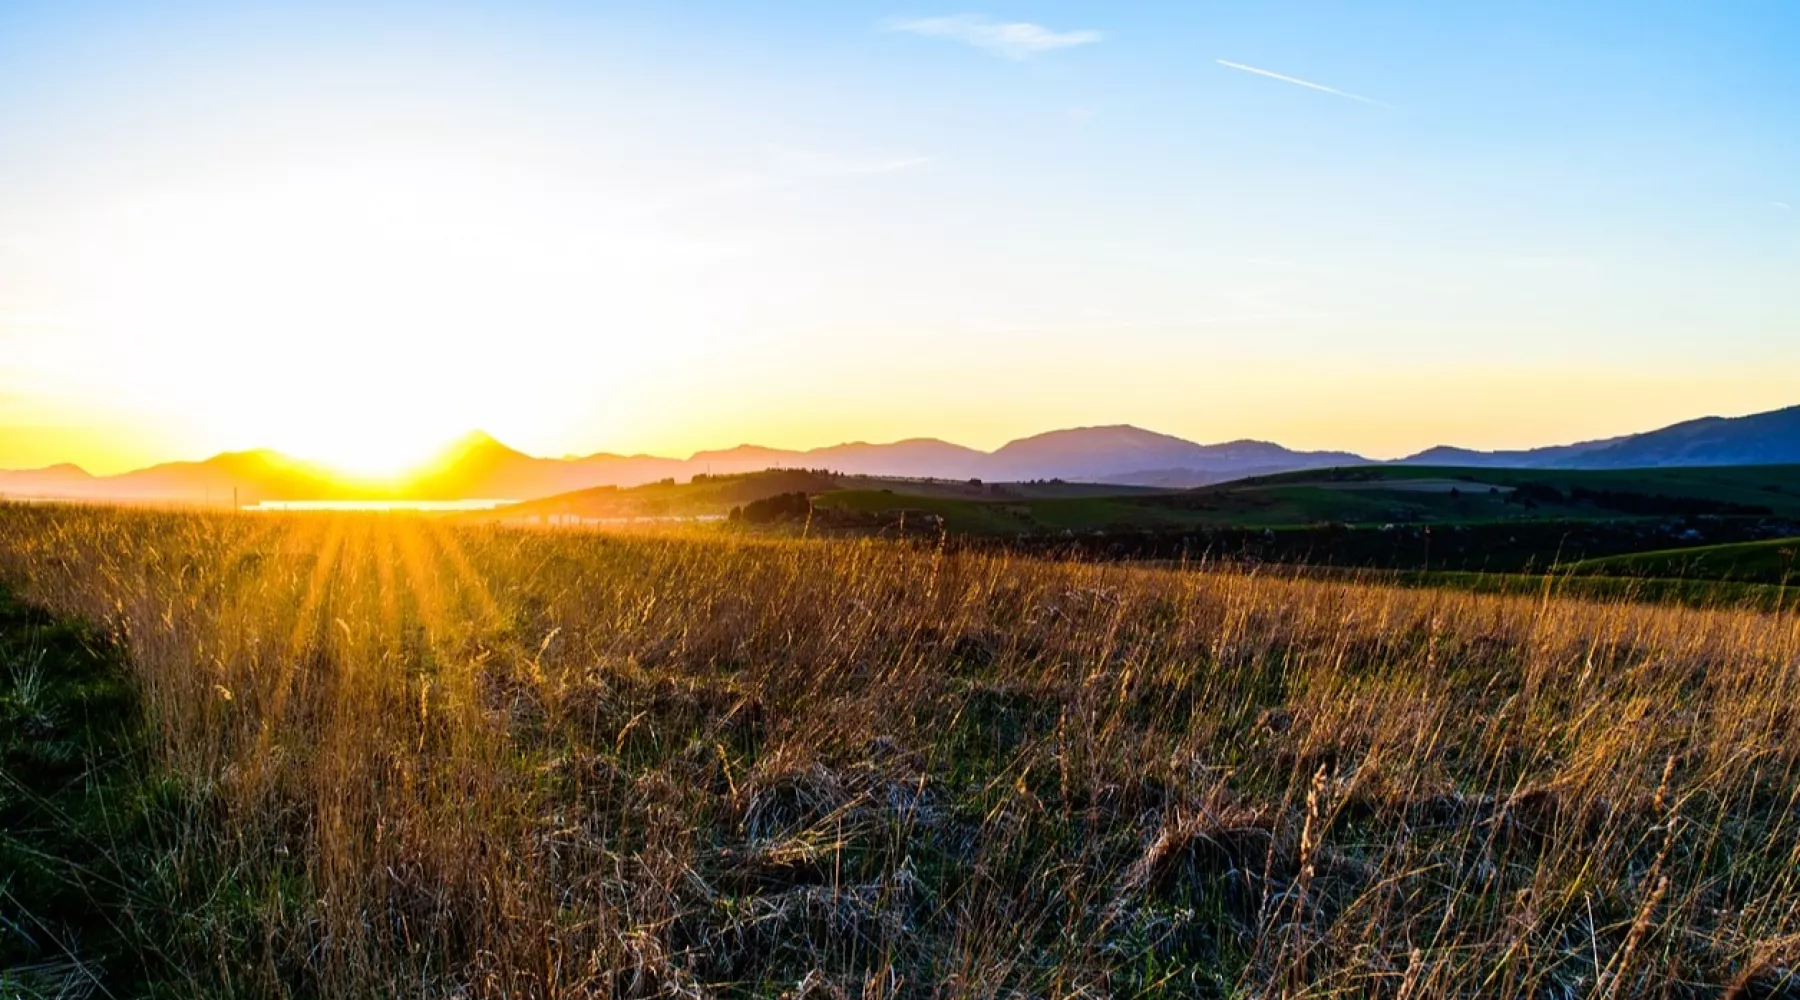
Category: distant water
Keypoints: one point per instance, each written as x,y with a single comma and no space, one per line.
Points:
378,505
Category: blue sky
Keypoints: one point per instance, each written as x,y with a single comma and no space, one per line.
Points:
672,226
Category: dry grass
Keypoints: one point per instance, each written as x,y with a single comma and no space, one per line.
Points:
430,762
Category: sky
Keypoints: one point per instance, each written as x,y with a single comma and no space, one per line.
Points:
352,231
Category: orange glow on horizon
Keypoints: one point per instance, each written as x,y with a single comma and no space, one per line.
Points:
366,453
1376,414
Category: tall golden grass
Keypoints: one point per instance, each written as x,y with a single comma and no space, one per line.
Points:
420,760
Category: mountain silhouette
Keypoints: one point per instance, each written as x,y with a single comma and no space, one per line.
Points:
1771,438
477,466
54,480
1518,458
254,475
1123,452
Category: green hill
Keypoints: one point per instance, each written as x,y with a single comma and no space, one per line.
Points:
1771,488
1394,517
1771,562
1364,495
715,496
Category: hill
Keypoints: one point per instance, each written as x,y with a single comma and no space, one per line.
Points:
476,466
714,496
1766,562
1759,439
252,476
1770,438
1773,490
1389,517
911,458
1121,451
1524,458
56,480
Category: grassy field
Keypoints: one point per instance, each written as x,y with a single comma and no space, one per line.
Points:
716,495
357,755
1768,562
1011,517
1369,496
1567,584
1271,506
1776,487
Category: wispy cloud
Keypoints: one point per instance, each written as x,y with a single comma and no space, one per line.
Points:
1016,40
1784,206
1284,78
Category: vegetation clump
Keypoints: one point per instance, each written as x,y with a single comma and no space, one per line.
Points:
108,883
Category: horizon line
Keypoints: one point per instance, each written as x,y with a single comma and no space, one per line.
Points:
478,433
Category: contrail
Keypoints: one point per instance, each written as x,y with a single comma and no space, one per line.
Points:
1271,74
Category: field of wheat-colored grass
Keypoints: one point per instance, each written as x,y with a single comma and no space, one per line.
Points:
398,758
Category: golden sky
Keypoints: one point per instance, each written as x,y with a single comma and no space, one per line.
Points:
352,232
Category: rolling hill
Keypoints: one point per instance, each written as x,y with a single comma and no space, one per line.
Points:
1373,496
1766,562
714,495
55,480
255,475
1774,489
1654,504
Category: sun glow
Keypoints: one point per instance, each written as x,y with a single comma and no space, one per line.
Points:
371,452
362,315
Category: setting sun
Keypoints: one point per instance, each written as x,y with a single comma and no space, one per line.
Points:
362,311
371,450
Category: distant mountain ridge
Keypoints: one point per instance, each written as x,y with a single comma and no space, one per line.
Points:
1518,458
1108,453
1771,438
479,467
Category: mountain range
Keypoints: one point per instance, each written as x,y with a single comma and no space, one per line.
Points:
1771,438
479,467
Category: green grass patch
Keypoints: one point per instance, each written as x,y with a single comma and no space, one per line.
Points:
1776,487
1360,495
972,517
1770,562
94,897
1698,593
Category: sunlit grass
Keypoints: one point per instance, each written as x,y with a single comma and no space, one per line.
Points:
432,761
